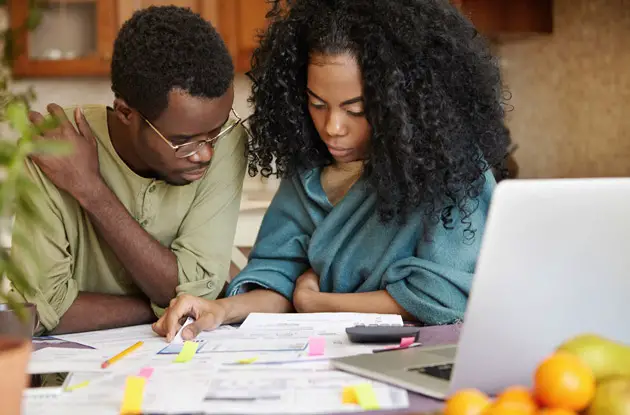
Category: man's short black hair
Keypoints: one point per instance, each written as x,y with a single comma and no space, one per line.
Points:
162,48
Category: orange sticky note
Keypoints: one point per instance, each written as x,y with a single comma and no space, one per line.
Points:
349,395
134,393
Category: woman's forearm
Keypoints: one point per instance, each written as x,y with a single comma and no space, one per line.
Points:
380,302
238,307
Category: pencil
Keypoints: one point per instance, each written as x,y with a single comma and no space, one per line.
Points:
121,355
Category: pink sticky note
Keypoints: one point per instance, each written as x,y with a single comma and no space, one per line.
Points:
146,372
406,342
316,346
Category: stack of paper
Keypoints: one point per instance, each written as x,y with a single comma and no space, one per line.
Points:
262,367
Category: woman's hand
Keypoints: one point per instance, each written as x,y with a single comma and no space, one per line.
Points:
208,315
306,286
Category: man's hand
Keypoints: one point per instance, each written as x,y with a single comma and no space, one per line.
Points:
208,315
306,285
78,172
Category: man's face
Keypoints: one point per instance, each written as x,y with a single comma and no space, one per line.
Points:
187,119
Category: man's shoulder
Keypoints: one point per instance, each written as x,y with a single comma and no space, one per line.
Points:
90,110
235,139
48,194
96,116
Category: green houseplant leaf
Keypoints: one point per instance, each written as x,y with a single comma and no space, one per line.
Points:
18,194
17,115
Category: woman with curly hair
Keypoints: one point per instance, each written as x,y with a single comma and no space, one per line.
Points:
384,119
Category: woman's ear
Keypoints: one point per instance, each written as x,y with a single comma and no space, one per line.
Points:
124,113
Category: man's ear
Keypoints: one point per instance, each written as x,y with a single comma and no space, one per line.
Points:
123,111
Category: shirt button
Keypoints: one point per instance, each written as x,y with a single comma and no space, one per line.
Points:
152,189
210,284
144,223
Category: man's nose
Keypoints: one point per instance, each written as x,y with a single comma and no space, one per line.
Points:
203,155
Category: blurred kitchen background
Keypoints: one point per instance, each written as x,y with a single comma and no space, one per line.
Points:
566,65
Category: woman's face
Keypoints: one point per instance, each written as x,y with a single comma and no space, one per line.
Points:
336,105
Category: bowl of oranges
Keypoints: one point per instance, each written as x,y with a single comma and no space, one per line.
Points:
587,374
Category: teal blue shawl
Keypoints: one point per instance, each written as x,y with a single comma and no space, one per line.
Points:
425,267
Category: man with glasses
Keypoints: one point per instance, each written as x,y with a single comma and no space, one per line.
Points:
145,207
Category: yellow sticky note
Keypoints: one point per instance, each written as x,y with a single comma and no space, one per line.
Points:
78,386
349,395
247,361
188,351
366,396
134,392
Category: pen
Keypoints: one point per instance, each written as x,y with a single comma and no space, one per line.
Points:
121,355
390,348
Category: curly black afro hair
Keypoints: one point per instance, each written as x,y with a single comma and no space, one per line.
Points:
432,90
162,48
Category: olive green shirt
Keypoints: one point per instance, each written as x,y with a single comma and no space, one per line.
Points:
197,222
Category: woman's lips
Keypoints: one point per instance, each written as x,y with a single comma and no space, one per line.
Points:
339,152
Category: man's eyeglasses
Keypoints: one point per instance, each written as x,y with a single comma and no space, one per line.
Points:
188,149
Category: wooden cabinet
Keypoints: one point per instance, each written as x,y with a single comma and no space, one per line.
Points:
73,38
206,8
239,22
495,18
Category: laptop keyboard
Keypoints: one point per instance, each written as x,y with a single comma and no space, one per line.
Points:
438,371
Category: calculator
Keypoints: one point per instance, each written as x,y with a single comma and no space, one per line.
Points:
380,333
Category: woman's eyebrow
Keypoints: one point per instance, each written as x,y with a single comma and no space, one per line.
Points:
347,102
352,101
315,95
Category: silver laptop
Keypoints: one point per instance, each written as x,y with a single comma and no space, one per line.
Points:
554,262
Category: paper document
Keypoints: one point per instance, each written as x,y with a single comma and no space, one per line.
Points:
50,360
168,391
288,332
302,389
252,340
116,338
320,322
263,367
49,341
178,337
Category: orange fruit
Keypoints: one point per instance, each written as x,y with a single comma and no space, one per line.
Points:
509,408
466,402
556,411
564,381
517,396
